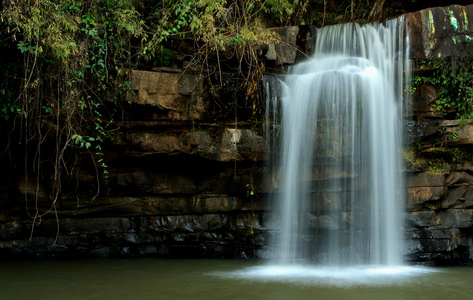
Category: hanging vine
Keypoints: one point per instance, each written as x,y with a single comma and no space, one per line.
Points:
69,60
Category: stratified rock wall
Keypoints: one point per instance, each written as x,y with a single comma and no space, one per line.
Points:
180,184
439,167
186,182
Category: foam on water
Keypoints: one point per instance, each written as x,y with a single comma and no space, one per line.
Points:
330,276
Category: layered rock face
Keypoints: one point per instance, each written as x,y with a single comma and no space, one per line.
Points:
438,175
180,184
185,183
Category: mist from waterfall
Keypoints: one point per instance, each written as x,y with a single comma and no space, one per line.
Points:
337,126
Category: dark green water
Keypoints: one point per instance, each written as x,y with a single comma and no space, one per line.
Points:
215,279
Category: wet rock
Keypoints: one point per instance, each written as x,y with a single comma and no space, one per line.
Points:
436,233
150,250
457,218
163,250
411,247
244,221
422,129
132,238
422,218
419,196
210,222
180,223
157,223
179,237
439,245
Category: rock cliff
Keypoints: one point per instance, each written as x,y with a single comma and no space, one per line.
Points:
187,178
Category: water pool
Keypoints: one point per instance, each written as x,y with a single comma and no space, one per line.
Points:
222,279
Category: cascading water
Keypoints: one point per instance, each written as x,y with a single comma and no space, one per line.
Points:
340,191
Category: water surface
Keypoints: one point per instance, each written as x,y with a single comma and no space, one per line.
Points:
222,279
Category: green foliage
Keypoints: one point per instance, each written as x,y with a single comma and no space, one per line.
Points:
9,89
218,25
436,166
163,57
461,155
410,157
70,55
281,8
453,135
250,193
454,78
44,26
83,141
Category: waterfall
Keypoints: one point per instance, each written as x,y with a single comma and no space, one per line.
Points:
339,192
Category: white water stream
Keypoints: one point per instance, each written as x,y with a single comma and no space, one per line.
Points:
340,191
